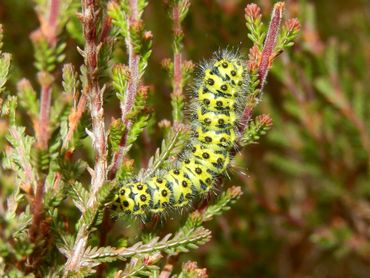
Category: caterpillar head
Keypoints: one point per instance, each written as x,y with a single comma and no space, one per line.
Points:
132,198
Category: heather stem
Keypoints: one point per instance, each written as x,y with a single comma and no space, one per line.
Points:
77,112
95,97
270,42
37,211
266,57
44,79
53,21
180,68
43,134
177,74
132,87
95,100
177,66
133,63
43,130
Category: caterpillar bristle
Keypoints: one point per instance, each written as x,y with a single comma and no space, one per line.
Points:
215,105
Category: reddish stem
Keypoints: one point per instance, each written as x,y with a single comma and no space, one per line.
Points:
177,60
76,114
266,58
53,20
177,74
270,42
133,63
126,107
132,88
37,211
43,130
43,133
105,29
95,97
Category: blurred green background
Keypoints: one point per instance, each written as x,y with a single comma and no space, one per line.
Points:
306,210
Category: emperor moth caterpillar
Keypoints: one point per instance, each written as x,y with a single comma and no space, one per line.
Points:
219,90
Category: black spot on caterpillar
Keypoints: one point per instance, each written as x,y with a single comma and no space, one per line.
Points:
219,90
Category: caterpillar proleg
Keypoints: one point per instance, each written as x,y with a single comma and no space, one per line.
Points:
218,94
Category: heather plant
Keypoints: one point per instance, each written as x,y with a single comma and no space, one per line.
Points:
306,203
80,127
318,152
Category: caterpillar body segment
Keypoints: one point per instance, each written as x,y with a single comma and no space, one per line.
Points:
218,94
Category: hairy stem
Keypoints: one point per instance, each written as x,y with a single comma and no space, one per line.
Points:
266,57
133,63
132,87
270,42
77,112
38,231
43,130
95,97
53,22
89,20
37,210
177,59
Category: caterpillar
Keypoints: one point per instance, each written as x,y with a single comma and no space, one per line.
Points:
215,106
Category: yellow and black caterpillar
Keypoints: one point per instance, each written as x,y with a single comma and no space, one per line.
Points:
217,100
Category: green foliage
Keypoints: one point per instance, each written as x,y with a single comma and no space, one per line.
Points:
255,130
144,266
80,196
40,160
137,128
182,241
4,69
180,9
9,109
223,203
70,80
28,98
118,13
287,36
116,130
257,30
171,145
177,103
19,157
120,77
46,58
4,63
